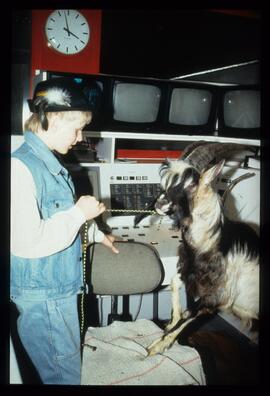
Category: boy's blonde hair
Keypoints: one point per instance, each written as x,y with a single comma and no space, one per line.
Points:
33,123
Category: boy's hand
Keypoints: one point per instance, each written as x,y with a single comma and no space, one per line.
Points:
90,206
108,241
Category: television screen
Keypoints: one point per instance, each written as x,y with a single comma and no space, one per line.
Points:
190,106
242,109
240,112
135,102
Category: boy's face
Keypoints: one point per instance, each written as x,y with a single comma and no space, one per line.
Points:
65,133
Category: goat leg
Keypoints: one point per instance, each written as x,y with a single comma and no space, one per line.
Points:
170,336
168,339
175,328
163,343
176,314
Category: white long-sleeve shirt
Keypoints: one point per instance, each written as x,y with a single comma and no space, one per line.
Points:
31,236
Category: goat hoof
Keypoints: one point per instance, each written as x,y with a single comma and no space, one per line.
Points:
151,352
156,347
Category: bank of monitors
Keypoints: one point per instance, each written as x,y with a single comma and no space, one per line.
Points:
148,105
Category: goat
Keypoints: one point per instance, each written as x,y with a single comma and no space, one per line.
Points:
218,258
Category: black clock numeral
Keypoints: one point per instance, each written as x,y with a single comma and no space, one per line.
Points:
67,49
52,38
76,48
85,33
76,16
82,23
52,19
49,29
59,13
82,42
58,46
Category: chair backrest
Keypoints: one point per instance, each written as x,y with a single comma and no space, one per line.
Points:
136,269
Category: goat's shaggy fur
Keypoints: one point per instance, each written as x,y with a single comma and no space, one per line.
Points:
218,258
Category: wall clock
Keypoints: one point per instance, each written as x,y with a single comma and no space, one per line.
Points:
67,31
77,31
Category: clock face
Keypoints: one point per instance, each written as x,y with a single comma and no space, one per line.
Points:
67,31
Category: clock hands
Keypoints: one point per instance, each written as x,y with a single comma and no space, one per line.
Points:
67,29
69,32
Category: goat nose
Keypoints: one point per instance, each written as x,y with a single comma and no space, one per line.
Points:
160,212
162,206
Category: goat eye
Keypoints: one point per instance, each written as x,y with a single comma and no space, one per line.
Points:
191,185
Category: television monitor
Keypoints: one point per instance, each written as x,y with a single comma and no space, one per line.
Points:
240,112
136,105
191,108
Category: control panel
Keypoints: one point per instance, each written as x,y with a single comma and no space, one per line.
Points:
125,186
133,196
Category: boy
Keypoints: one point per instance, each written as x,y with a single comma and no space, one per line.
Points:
46,257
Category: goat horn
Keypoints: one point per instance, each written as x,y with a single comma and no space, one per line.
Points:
204,154
188,149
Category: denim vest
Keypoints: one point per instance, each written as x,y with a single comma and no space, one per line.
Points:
59,274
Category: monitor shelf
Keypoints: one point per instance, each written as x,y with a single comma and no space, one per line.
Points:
106,147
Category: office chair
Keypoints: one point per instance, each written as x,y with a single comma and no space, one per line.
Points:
137,269
116,354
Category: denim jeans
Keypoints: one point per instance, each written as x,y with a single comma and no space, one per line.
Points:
50,333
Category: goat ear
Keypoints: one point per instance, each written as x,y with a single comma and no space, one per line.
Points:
213,172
